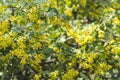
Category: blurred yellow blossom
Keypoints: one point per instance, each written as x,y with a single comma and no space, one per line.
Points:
53,75
71,73
83,2
38,58
102,68
115,49
68,12
68,2
100,33
37,77
116,21
112,9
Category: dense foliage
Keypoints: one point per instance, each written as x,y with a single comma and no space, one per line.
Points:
59,39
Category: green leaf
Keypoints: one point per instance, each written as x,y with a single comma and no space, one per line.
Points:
40,1
83,47
98,78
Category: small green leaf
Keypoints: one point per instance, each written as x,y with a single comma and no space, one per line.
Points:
39,1
83,47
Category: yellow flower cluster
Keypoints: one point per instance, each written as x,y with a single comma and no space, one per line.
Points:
102,68
21,54
53,75
37,77
60,57
100,33
54,21
88,60
116,21
4,26
82,36
55,33
37,44
71,73
57,50
3,9
68,12
17,19
73,61
33,14
83,2
38,58
5,58
35,63
68,2
115,49
111,9
21,42
53,3
5,41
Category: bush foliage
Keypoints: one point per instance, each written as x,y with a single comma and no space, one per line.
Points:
60,39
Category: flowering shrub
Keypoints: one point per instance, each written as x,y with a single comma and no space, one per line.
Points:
59,39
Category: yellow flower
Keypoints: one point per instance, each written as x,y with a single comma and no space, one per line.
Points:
68,12
38,58
70,74
53,75
115,49
5,58
60,57
42,37
19,53
23,61
90,60
83,2
116,21
108,47
53,3
57,50
70,64
100,33
68,2
36,46
5,41
20,42
32,16
4,26
85,65
102,68
37,77
13,18
2,9
32,40
111,9
111,41
39,21
17,19
88,38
